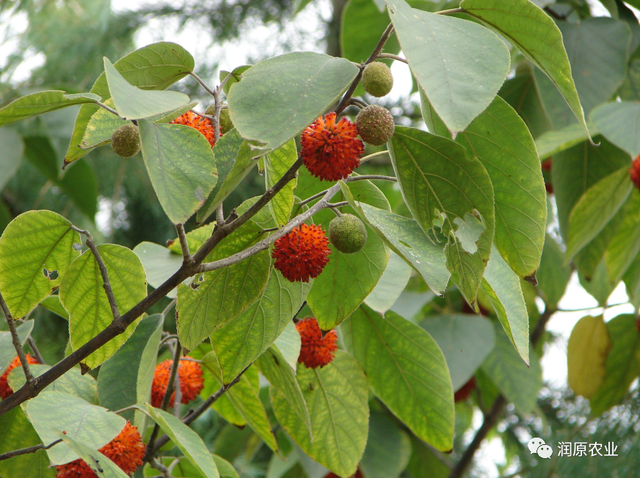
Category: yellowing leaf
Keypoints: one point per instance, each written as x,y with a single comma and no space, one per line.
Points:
587,352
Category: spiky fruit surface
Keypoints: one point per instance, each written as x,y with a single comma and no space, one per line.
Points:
347,233
375,125
634,172
191,381
316,350
126,450
125,141
377,79
302,254
5,389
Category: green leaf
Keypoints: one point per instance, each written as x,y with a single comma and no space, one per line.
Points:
362,26
83,296
235,78
522,94
132,102
52,412
536,35
577,169
618,122
465,341
555,141
434,123
595,209
553,277
406,370
282,378
18,432
503,144
125,379
39,151
358,273
393,281
447,56
244,398
81,185
276,164
622,365
7,350
101,127
180,164
217,297
233,159
36,249
279,97
411,243
502,286
440,185
625,245
631,280
12,149
101,465
153,67
248,335
518,382
388,448
159,264
42,102
72,382
187,441
289,344
599,286
336,397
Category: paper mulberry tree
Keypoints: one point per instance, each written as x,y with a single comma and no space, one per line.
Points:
257,287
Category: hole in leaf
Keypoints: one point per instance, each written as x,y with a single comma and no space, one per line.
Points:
77,246
194,286
45,272
201,278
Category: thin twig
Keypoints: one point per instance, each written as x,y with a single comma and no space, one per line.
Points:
168,308
220,214
193,414
34,349
492,416
153,463
371,156
366,177
334,205
15,338
184,245
178,391
393,57
202,83
26,451
311,198
165,401
108,108
106,284
344,102
358,102
264,244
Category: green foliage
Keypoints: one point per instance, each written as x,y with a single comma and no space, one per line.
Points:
457,221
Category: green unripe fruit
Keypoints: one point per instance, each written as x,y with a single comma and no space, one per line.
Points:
375,125
225,118
347,233
377,79
125,141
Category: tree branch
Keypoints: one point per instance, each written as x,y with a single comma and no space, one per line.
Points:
492,416
26,451
264,244
15,338
193,414
184,245
106,284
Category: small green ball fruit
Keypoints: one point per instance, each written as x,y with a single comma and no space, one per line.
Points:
347,233
377,79
375,125
125,141
226,124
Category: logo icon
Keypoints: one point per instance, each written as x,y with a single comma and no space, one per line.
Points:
538,446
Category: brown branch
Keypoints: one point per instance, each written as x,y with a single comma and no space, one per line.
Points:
184,245
106,284
193,414
118,326
26,451
492,416
15,338
34,349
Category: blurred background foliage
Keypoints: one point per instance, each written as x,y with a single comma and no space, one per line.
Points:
60,44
